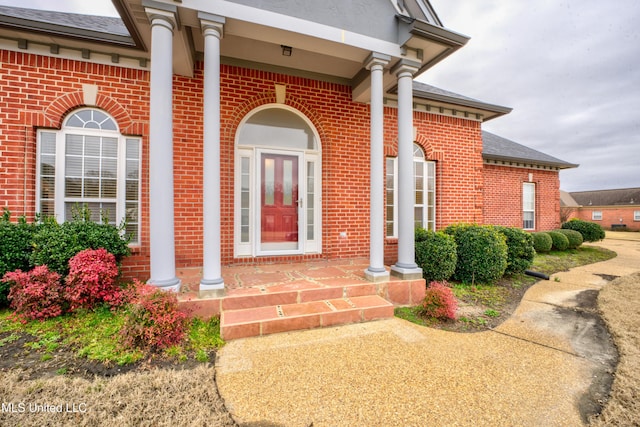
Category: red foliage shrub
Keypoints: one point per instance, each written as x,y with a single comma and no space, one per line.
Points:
37,294
439,301
92,279
152,318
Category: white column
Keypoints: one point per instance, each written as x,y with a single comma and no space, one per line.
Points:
161,227
212,29
376,270
406,266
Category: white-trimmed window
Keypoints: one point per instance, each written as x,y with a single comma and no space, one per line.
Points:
596,215
424,175
89,163
636,215
528,206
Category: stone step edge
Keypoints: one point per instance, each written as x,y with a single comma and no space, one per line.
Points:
360,309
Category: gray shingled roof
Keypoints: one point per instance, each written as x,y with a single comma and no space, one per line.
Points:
617,197
495,147
428,92
102,28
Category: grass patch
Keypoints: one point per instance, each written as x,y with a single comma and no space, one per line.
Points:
95,335
486,295
556,261
411,314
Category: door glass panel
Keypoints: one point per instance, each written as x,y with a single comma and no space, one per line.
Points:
287,184
245,200
310,200
269,181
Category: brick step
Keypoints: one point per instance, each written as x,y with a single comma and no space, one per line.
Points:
257,321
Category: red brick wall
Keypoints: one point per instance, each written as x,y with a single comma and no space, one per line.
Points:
503,196
38,92
610,215
455,144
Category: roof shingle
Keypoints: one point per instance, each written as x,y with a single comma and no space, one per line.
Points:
498,148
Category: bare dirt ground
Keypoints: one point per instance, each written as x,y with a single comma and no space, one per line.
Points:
63,389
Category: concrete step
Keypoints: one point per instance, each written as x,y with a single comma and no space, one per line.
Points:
264,320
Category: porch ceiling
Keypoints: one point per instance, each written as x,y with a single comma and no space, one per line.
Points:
255,38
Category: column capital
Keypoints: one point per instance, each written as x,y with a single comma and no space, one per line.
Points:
376,58
405,66
164,13
212,24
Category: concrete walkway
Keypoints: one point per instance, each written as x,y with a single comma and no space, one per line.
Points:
542,366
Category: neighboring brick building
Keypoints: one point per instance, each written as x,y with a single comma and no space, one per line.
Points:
616,209
271,127
521,186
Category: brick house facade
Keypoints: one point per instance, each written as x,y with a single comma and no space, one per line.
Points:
348,123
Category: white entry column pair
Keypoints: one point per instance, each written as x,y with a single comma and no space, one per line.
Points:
161,197
405,268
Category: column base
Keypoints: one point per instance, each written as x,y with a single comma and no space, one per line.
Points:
211,288
406,272
376,276
172,285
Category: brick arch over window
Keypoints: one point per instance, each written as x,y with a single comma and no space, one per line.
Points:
59,108
429,152
270,98
423,142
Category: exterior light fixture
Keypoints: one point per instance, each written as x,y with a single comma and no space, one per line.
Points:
286,50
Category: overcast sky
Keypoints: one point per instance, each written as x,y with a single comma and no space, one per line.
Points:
569,69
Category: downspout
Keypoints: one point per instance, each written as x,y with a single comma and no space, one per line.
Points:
24,174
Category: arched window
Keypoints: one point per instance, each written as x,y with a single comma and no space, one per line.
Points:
89,164
424,174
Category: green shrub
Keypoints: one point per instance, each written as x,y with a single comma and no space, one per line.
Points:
421,234
574,237
591,232
435,254
16,240
542,241
482,253
55,244
520,251
560,241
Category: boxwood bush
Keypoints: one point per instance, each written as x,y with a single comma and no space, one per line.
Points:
520,251
55,244
436,254
542,241
591,232
15,248
560,241
574,237
482,253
